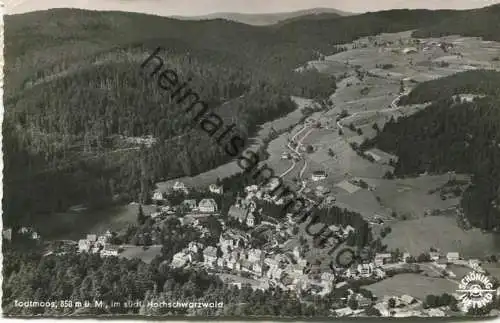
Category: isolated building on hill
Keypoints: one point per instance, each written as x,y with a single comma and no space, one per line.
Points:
318,175
158,196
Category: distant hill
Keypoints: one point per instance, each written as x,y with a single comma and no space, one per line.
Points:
264,19
311,17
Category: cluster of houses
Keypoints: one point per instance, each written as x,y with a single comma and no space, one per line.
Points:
207,205
235,255
98,244
182,188
245,211
23,231
204,206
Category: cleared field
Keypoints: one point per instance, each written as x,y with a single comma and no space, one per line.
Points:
419,235
459,271
411,195
363,202
146,255
75,225
348,187
345,159
412,284
329,67
493,269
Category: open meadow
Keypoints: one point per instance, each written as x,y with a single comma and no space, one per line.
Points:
443,233
416,285
76,225
139,252
410,196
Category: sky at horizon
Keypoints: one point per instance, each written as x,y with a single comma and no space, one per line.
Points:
203,7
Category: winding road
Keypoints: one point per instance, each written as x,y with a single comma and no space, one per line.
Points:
393,107
296,150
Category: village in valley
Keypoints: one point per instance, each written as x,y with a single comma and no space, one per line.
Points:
240,255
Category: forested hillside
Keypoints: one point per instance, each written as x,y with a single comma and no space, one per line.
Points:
484,22
75,96
479,82
450,135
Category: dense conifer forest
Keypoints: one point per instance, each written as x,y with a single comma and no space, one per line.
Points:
79,277
483,22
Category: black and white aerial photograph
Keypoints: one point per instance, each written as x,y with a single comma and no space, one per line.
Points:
265,159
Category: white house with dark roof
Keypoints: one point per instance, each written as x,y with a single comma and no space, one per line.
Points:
207,206
157,196
434,255
84,245
180,187
213,188
92,238
110,251
180,259
318,176
250,222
